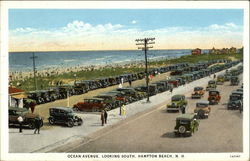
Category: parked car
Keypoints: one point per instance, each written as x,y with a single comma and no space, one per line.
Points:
64,115
234,81
202,109
214,97
161,86
177,102
121,96
186,124
92,105
220,79
28,118
211,85
110,99
198,92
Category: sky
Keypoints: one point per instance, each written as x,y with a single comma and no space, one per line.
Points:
117,29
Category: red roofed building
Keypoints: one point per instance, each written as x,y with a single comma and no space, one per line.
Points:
16,97
196,51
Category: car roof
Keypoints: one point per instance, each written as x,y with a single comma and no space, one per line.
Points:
62,108
198,87
93,98
211,81
186,116
178,95
213,90
202,102
237,92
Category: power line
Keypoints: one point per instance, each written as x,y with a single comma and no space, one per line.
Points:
145,42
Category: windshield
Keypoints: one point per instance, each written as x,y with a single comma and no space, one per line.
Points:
176,98
234,98
201,105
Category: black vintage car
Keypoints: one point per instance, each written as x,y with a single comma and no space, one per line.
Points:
41,96
28,118
64,115
235,102
234,81
186,124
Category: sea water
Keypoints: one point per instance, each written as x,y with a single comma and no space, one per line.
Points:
22,61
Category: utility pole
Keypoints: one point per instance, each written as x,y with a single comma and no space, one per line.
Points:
34,68
145,42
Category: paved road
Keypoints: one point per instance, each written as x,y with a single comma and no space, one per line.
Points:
153,132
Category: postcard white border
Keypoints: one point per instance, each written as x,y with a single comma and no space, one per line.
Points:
118,5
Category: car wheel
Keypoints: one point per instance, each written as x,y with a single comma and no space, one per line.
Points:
31,125
79,123
95,109
75,109
70,123
182,129
51,121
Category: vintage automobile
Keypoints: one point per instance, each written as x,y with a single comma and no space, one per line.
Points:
28,118
227,76
110,99
161,86
122,96
177,102
214,97
92,105
198,92
175,82
130,92
220,79
211,85
81,87
186,124
202,109
234,81
41,96
235,102
64,115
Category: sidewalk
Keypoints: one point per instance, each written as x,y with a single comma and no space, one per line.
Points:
57,136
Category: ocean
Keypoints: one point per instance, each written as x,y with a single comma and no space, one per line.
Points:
22,62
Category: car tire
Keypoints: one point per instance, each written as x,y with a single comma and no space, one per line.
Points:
51,121
31,125
70,123
95,109
182,129
75,109
80,122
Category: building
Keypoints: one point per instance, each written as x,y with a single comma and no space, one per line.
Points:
196,51
16,97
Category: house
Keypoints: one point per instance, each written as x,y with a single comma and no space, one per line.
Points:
16,97
196,51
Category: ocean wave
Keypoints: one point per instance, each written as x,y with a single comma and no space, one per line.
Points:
69,60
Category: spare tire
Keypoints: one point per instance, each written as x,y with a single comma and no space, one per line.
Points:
182,129
201,114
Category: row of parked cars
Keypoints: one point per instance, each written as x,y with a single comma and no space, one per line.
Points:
120,96
186,71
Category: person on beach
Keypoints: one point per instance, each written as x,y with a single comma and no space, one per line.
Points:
20,120
102,117
105,116
38,123
214,76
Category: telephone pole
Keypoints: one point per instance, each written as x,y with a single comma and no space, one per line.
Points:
34,68
145,42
